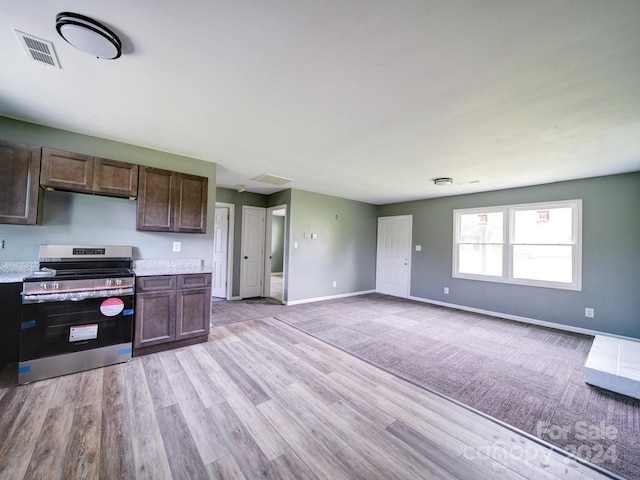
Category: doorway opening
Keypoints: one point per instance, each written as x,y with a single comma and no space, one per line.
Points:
276,257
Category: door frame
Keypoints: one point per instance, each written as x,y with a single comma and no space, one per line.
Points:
230,238
409,251
266,290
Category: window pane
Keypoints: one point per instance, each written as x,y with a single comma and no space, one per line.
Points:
480,259
541,262
545,225
481,228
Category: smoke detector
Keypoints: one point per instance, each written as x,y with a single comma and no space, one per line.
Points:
443,181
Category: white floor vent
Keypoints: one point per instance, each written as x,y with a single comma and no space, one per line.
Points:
272,179
37,49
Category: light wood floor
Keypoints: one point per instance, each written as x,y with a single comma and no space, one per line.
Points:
260,399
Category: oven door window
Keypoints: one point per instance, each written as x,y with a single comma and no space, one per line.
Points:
54,328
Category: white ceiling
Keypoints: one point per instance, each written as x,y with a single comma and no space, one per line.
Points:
364,99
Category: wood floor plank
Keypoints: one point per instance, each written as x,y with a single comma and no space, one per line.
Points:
268,439
91,383
116,448
158,381
307,419
207,391
204,431
289,466
150,457
246,452
249,387
179,445
82,459
302,443
47,460
225,468
170,363
414,461
114,386
269,377
66,390
18,442
292,365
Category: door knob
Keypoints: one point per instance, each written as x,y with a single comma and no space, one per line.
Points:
246,258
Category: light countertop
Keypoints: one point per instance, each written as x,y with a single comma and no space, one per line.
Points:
14,272
147,268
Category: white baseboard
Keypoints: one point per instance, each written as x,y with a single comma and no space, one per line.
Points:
330,297
533,321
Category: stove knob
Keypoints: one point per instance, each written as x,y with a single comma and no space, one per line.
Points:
108,282
55,285
43,286
118,281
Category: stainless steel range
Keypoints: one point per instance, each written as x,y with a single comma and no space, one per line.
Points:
77,311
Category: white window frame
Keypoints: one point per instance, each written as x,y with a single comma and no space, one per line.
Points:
508,215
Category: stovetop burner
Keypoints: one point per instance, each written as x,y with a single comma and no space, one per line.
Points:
82,263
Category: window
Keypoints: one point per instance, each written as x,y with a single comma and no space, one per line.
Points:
533,244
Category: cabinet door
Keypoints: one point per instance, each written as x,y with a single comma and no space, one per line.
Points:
193,315
115,178
191,203
20,194
66,170
155,318
156,190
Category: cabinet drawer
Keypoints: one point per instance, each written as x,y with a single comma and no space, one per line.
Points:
197,280
156,283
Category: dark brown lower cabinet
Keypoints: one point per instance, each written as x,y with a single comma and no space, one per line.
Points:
171,311
10,317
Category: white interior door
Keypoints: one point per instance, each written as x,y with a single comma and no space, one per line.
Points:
393,266
252,257
220,252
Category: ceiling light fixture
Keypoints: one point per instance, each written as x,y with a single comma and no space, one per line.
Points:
88,35
443,181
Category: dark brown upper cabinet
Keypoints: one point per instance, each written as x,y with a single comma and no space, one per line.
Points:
20,194
171,201
83,173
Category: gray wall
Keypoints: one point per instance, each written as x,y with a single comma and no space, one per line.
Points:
277,244
345,250
81,218
611,255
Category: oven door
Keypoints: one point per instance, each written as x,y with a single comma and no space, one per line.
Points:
61,327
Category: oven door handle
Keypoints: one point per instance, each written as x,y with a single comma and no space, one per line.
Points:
76,296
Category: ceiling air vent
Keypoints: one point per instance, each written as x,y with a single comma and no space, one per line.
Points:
37,49
272,179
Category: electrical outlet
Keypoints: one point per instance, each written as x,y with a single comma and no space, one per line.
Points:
589,312
177,246
335,284
446,290
1,243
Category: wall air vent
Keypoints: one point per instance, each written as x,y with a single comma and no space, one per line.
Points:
272,179
37,49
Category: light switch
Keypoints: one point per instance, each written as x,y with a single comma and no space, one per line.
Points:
418,248
314,236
